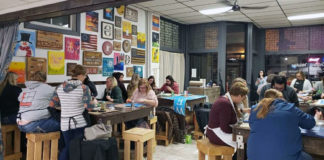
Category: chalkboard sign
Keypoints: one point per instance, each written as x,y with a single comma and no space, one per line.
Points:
92,58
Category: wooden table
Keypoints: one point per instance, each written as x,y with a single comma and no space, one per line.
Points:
312,144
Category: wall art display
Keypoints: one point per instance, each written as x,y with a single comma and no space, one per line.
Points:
117,46
155,55
33,65
134,30
25,46
131,14
19,69
127,30
107,48
109,13
72,48
120,10
155,23
92,21
155,40
138,70
118,34
134,41
138,56
141,40
69,68
127,59
126,46
49,40
107,66
92,70
92,58
88,42
107,30
119,61
118,21
55,63
129,71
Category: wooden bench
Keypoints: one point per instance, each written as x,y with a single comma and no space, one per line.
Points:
214,152
11,142
42,146
139,136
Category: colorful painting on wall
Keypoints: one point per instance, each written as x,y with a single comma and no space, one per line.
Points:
109,13
69,68
118,34
55,62
131,14
129,71
141,40
134,41
88,42
138,56
25,46
126,46
155,55
92,21
33,65
120,10
92,58
92,70
107,48
119,61
49,40
127,59
127,30
155,23
107,30
117,46
138,70
118,21
134,30
72,48
155,40
19,69
107,66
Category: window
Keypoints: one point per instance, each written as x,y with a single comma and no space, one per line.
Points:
170,36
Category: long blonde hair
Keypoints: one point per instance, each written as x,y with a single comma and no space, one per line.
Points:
265,104
133,84
11,78
113,81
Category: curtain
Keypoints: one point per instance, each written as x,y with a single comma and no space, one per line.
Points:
172,64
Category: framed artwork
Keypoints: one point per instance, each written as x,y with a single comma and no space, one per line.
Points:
25,46
118,34
69,68
92,70
107,30
127,30
92,58
155,39
107,48
121,9
131,14
119,61
141,40
33,65
92,21
88,42
117,46
155,55
155,23
127,59
107,66
126,46
56,63
134,30
49,40
18,68
138,70
109,13
129,71
134,41
138,56
118,21
72,48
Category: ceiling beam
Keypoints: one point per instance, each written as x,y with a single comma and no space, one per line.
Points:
63,8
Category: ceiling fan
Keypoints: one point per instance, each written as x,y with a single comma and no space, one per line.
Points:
236,7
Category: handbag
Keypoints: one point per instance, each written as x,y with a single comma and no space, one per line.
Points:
98,131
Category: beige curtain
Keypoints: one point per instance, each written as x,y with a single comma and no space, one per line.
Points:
172,64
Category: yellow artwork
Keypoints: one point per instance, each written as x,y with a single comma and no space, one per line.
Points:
141,40
155,55
121,10
55,62
127,30
19,69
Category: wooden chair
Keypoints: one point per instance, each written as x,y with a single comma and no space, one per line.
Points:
214,152
11,142
139,136
42,146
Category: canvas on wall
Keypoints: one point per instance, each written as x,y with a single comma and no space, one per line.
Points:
119,61
120,10
118,21
19,69
33,65
155,23
127,59
109,13
138,70
138,56
118,34
107,48
117,46
92,58
126,46
107,30
155,55
70,68
134,30
127,30
72,48
107,66
49,40
134,41
92,21
141,40
55,63
92,70
25,46
129,71
131,14
155,40
88,42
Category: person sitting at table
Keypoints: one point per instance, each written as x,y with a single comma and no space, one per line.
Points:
120,77
301,84
9,93
33,115
91,86
269,79
144,94
224,113
244,105
275,133
319,89
151,81
112,92
132,85
317,112
170,85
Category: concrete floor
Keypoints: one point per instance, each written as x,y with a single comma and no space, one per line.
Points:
176,152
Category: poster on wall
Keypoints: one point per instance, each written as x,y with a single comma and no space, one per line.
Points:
109,13
107,30
126,46
155,23
138,70
49,40
72,48
127,30
131,14
107,66
134,30
127,59
92,70
88,42
117,46
155,55
134,41
141,40
138,56
25,46
107,48
92,21
55,63
129,71
92,58
69,68
19,69
120,10
33,65
155,40
118,21
118,34
119,61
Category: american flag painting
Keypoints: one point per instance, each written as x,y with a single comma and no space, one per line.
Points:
88,42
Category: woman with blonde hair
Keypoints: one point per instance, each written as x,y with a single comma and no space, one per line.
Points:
112,92
279,122
144,94
133,85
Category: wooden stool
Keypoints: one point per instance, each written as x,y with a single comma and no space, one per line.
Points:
163,136
11,152
42,146
139,136
214,152
153,126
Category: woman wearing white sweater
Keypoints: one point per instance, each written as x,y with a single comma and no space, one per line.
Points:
301,84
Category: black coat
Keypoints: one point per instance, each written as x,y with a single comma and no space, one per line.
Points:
9,103
124,91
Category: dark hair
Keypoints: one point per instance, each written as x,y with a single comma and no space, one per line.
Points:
117,75
279,80
169,77
78,70
153,83
313,110
263,73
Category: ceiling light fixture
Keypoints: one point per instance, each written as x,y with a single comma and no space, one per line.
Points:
306,16
215,10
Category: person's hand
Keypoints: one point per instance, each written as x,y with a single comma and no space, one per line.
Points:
169,88
318,115
140,100
109,98
247,110
322,96
128,100
295,89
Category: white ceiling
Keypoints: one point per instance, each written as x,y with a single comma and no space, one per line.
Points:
187,11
